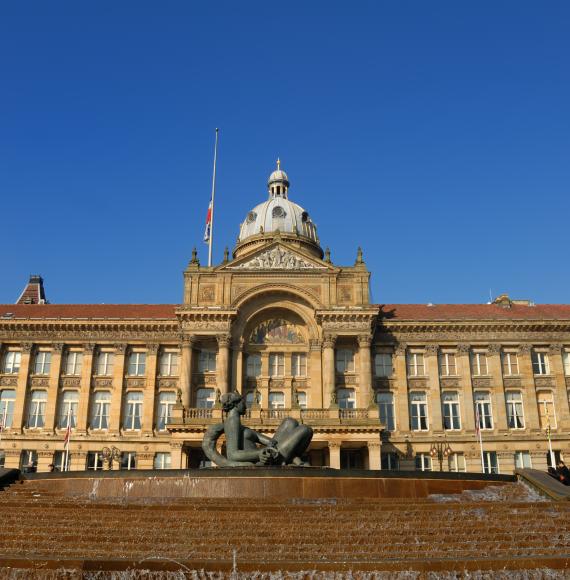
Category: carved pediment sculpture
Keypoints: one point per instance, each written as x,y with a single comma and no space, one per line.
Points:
276,258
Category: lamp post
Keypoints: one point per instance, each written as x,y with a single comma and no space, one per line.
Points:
441,450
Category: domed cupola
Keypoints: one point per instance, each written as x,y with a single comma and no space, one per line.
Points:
278,216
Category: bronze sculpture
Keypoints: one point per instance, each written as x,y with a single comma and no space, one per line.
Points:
246,447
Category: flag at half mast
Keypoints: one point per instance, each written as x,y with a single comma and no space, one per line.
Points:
208,230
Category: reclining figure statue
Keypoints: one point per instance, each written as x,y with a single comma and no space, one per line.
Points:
246,447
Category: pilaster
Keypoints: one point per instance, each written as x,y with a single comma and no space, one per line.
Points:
117,393
497,387
150,389
374,448
186,368
560,392
329,386
527,383
223,362
334,454
85,389
433,394
464,372
366,393
53,387
22,387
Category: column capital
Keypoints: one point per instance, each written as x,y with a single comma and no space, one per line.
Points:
334,444
152,348
315,344
121,347
188,340
329,340
58,346
373,444
364,340
555,349
432,350
224,340
463,348
525,348
494,349
89,346
27,346
400,349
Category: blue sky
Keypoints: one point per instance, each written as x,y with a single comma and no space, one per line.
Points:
436,135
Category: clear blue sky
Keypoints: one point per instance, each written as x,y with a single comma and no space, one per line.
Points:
434,134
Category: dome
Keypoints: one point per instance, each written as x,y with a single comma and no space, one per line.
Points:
279,214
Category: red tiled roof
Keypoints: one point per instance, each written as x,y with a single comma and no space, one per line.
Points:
400,312
92,311
474,312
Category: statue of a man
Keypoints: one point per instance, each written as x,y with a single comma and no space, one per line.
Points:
246,447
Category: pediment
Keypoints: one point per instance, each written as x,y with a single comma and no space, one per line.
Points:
278,256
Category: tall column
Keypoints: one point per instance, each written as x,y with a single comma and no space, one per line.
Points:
177,455
366,387
315,392
497,390
529,391
237,378
52,391
85,389
329,387
150,388
223,362
186,369
22,386
401,403
117,392
374,462
560,393
334,454
464,372
45,459
434,392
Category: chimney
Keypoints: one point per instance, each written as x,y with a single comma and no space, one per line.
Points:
34,292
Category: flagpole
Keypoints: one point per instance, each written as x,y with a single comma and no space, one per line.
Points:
481,446
479,435
4,416
213,194
552,458
68,438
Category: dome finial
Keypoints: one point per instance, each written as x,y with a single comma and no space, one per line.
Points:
278,164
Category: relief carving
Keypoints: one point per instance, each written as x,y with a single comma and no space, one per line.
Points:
344,293
40,382
543,382
9,381
208,293
71,382
511,382
481,382
276,259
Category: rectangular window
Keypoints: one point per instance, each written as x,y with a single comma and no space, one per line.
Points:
29,461
12,360
299,364
556,455
101,406
566,359
276,400
37,409
162,461
383,364
346,398
128,460
2,459
415,364
7,402
105,361
276,364
73,363
515,414
207,361
479,364
389,461
447,366
522,460
95,460
386,410
205,398
302,399
344,360
42,362
166,402
483,410
418,412
456,462
451,416
540,363
133,411
169,364
137,364
423,462
546,411
253,365
490,462
68,409
61,461
510,362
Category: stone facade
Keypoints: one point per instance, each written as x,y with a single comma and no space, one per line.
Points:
391,386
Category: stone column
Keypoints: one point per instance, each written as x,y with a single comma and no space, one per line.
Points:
464,372
528,388
145,459
177,455
401,403
329,387
223,362
434,392
12,458
21,388
334,454
237,366
117,391
52,391
374,462
45,459
150,389
497,390
186,369
366,388
315,392
560,393
85,389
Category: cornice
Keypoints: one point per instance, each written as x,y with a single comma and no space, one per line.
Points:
470,327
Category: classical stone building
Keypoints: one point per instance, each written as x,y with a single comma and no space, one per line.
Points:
391,386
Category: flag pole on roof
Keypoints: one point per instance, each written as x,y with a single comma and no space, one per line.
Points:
209,232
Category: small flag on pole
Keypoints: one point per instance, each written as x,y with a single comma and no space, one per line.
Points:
208,230
67,435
